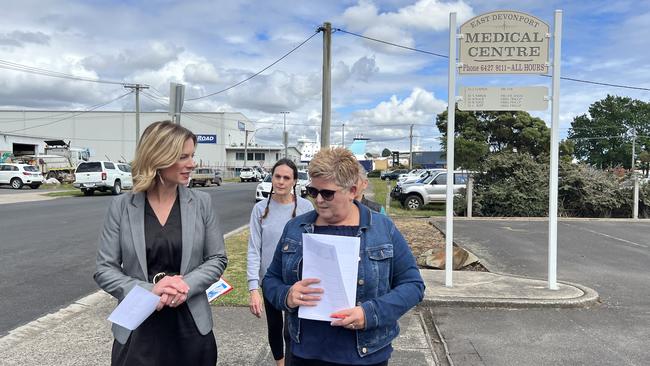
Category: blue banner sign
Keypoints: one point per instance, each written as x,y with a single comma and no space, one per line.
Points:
206,139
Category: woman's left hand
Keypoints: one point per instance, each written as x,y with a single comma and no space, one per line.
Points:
180,297
353,319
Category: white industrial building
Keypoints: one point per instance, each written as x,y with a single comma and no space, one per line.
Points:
111,135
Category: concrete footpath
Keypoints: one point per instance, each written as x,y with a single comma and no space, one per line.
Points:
80,333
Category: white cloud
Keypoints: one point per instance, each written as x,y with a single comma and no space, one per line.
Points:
419,107
153,56
20,38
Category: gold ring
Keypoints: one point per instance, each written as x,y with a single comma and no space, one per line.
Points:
300,296
173,302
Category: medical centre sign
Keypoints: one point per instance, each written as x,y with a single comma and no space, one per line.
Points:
504,42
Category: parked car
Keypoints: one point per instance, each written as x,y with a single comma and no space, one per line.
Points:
205,177
18,175
392,174
250,175
263,189
433,189
102,176
303,182
420,175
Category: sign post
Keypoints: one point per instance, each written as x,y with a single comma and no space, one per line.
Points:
504,42
555,137
451,120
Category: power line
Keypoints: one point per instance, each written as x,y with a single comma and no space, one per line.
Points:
259,72
35,70
391,43
446,56
78,114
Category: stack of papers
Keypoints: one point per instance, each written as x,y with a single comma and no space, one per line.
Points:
335,261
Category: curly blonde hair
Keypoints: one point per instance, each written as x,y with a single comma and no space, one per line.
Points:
337,164
160,146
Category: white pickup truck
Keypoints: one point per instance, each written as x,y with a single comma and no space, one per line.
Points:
102,176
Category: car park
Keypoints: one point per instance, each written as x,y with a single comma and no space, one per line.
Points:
102,176
205,177
433,189
18,175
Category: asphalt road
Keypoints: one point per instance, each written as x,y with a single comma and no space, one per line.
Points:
609,256
48,249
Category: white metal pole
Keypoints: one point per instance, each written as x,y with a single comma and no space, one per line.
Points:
635,206
451,110
555,128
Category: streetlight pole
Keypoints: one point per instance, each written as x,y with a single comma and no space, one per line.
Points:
285,136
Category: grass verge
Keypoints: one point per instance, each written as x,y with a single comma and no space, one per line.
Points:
69,193
380,189
235,274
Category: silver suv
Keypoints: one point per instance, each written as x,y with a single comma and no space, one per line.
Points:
433,189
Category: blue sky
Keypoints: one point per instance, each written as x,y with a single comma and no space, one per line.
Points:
377,90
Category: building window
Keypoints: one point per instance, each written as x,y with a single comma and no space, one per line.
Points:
277,156
259,156
250,156
239,156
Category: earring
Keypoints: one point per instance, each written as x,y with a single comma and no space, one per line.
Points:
160,177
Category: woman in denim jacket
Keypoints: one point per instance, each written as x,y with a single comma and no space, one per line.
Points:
388,283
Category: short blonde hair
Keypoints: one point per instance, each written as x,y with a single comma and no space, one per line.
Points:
336,164
160,146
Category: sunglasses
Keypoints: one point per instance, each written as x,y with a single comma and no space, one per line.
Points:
327,194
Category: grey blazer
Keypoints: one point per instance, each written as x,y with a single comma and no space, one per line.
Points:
122,262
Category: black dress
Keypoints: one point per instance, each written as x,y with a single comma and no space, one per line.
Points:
169,336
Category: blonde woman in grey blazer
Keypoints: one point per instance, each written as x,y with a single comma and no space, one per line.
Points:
166,239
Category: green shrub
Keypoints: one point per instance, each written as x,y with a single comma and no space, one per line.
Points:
511,184
588,192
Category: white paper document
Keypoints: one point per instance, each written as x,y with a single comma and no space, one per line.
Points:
335,261
135,308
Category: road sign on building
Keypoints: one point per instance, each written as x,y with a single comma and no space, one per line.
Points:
478,98
504,42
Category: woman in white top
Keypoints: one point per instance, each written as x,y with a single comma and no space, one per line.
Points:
267,223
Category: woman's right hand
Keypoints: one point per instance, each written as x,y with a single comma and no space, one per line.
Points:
172,291
255,303
300,294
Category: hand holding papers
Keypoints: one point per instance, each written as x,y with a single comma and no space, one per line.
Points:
334,260
135,308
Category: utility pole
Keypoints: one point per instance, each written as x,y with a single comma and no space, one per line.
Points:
343,135
633,148
245,146
137,88
285,135
326,112
635,205
411,148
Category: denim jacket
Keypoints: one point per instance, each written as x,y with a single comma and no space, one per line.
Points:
388,283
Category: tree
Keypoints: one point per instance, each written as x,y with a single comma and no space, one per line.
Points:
644,157
386,152
479,133
604,137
